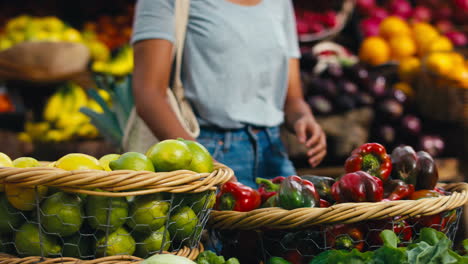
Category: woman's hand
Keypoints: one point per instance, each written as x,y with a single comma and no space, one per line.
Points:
301,121
309,133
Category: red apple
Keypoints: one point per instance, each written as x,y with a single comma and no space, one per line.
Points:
457,38
442,12
401,8
380,13
422,14
444,25
311,17
302,27
329,19
461,4
316,27
365,6
370,26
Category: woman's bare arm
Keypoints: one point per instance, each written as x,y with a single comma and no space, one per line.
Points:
151,74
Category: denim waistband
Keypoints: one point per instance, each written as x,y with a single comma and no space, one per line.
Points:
237,134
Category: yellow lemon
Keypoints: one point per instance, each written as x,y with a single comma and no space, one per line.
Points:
408,68
104,160
393,26
402,47
78,161
26,162
5,161
24,198
439,44
71,35
374,50
52,24
440,63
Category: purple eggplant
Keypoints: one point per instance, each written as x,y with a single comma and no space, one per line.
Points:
404,161
390,109
411,125
320,104
364,99
432,144
427,172
386,134
379,87
347,87
345,103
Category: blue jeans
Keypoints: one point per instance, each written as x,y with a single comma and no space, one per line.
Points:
251,152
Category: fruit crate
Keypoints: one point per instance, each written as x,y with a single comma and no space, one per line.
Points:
91,216
300,234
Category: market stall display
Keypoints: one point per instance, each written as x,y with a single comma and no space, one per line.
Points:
114,209
297,218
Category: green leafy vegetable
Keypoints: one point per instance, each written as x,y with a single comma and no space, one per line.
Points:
209,257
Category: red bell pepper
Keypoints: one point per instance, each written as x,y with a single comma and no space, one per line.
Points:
238,197
358,187
432,221
267,188
371,158
324,203
421,194
345,237
397,190
401,228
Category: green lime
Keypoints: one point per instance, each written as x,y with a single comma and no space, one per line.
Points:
201,158
10,217
78,246
26,162
104,160
62,214
132,161
170,155
120,242
28,242
198,201
148,213
153,243
182,223
99,207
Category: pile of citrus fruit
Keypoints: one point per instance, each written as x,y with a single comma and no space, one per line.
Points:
47,221
398,40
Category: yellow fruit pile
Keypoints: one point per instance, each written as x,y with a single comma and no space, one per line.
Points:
83,226
50,29
398,40
120,65
62,119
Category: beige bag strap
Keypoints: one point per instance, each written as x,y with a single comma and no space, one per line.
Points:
182,8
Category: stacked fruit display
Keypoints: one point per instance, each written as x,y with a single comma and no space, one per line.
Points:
447,16
48,29
88,226
62,120
309,22
372,175
342,87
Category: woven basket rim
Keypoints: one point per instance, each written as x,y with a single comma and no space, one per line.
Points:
190,253
117,183
342,18
346,213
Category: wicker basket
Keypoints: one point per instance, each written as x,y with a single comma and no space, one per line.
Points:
272,228
112,184
342,17
441,99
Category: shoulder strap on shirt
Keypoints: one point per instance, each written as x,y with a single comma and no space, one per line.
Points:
182,8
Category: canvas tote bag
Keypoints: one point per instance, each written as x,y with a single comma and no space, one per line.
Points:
138,137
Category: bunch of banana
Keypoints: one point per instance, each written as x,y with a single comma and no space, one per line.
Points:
120,65
63,120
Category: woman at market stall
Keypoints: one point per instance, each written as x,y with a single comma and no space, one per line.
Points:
240,73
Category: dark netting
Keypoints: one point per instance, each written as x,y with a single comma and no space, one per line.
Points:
48,222
303,244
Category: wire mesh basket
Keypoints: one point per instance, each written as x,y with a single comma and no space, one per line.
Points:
300,234
49,215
